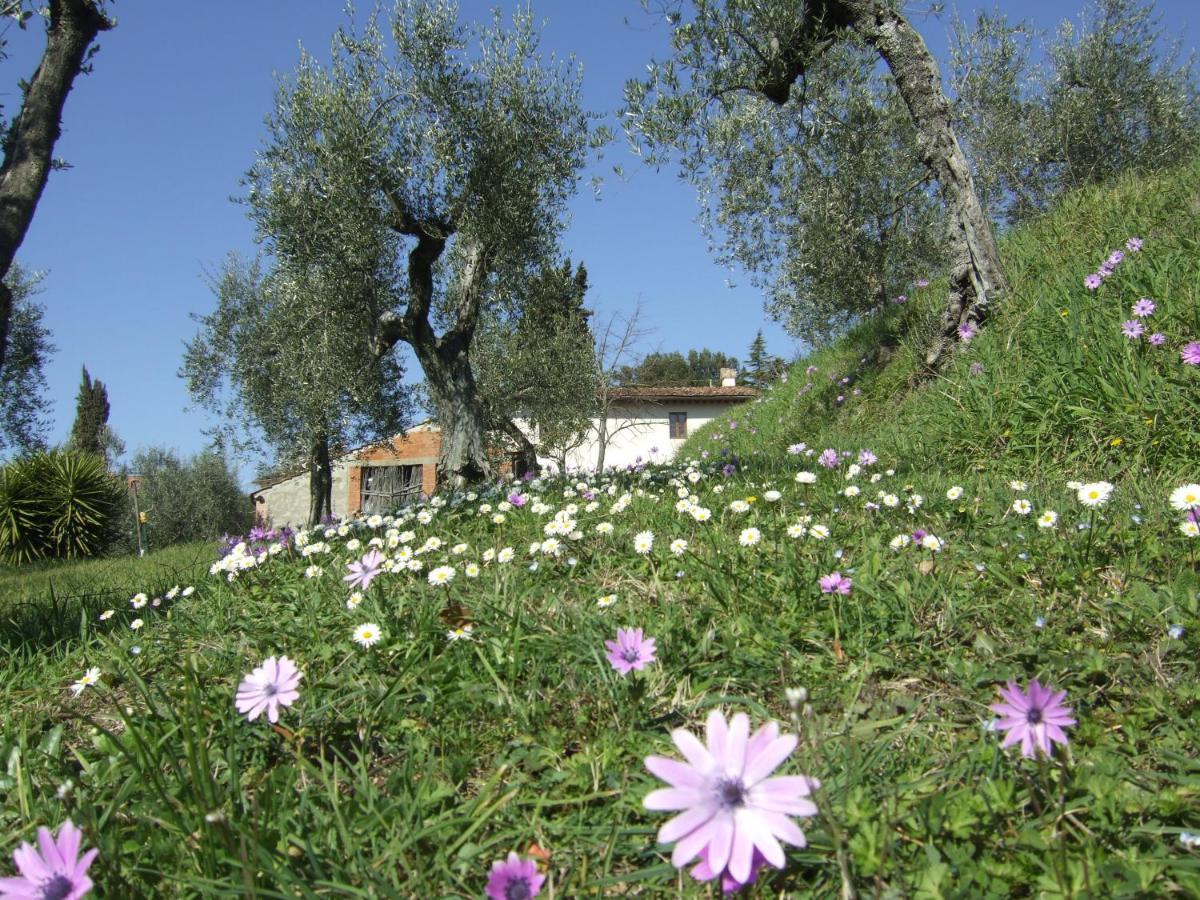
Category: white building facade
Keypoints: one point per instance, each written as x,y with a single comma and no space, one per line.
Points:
649,424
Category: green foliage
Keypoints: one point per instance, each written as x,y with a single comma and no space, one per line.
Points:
91,416
1054,387
58,504
287,358
539,366
761,367
189,500
23,404
825,199
461,141
701,367
1111,98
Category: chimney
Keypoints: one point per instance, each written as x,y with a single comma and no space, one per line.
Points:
728,377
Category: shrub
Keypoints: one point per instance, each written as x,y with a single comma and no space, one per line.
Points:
57,503
189,500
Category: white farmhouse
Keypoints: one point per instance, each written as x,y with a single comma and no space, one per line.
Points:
650,423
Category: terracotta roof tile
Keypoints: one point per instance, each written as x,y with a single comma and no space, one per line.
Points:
734,394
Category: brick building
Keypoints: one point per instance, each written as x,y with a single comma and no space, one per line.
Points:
374,478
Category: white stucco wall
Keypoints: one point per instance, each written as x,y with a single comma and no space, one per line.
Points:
638,427
287,502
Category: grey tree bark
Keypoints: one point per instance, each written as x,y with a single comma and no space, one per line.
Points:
320,480
29,143
445,360
976,277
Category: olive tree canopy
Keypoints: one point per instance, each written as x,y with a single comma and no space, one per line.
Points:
451,152
287,360
735,61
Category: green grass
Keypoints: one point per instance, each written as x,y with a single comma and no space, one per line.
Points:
44,601
406,769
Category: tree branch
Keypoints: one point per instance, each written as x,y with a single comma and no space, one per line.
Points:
470,298
29,142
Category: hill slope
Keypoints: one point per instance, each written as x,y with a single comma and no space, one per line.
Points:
461,702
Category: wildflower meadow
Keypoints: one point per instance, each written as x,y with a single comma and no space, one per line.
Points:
862,637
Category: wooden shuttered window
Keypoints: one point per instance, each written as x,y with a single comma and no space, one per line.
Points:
384,488
678,423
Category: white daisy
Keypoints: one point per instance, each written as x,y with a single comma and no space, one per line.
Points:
441,575
368,634
90,677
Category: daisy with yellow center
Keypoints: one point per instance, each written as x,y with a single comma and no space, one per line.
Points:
367,634
1186,497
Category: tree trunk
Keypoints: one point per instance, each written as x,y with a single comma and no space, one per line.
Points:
976,278
29,144
601,438
320,481
526,457
462,459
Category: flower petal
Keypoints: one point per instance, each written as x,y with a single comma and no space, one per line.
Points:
721,844
675,798
693,751
768,759
686,823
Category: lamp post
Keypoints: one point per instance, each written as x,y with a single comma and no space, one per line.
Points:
137,513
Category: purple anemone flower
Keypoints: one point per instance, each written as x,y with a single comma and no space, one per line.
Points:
273,684
1190,354
730,810
631,650
966,331
835,583
53,870
1133,245
1093,281
1133,329
514,879
828,458
365,570
1035,718
1144,307
1157,339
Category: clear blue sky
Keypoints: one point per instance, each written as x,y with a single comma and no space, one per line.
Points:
160,134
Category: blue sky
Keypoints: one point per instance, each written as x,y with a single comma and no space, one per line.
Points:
159,135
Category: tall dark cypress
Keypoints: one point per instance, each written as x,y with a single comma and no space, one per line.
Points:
91,415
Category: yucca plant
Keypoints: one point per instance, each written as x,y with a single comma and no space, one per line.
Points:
22,526
57,504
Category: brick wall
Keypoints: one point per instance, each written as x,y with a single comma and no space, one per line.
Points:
417,448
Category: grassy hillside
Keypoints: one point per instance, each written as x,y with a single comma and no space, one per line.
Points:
464,706
1052,387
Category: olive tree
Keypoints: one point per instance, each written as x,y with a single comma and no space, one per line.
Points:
730,84
286,360
27,140
23,401
1108,96
454,149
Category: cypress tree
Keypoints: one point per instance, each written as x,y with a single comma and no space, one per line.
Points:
91,416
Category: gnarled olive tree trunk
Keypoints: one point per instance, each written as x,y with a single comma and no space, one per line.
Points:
976,278
445,360
320,480
29,143
462,459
